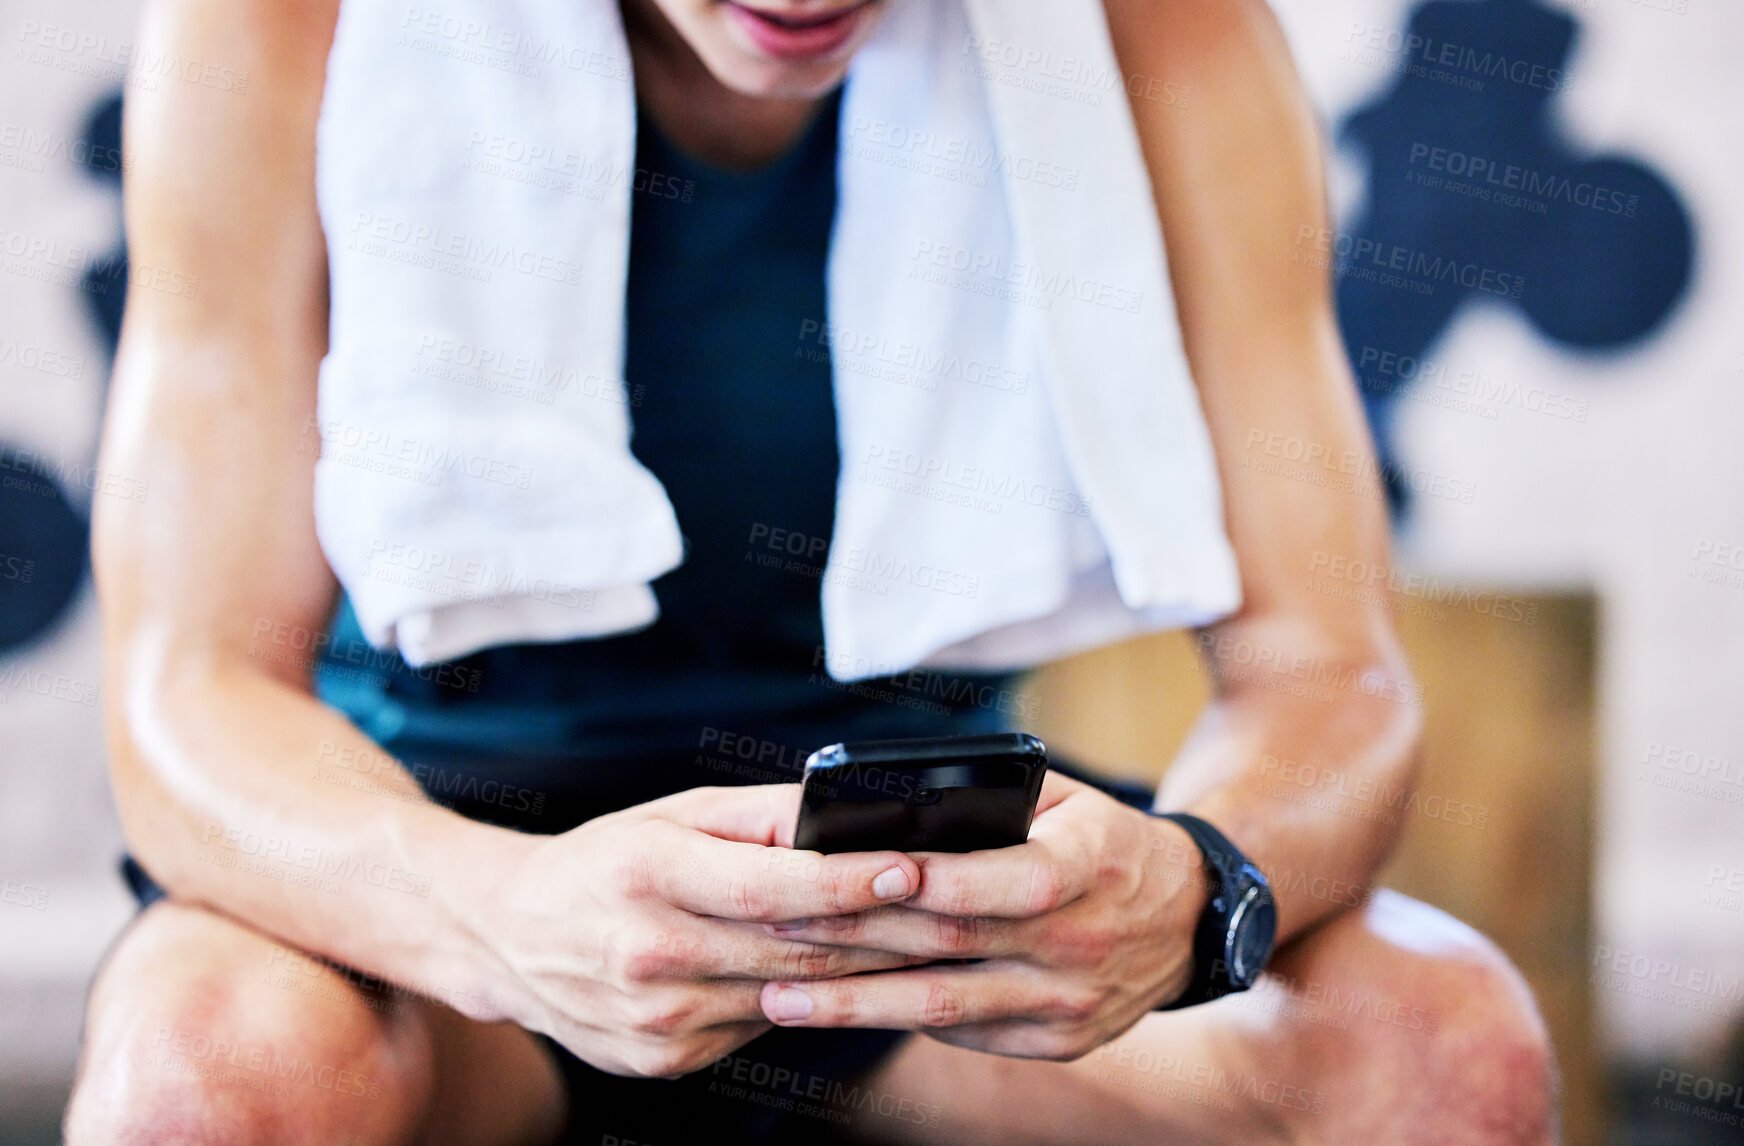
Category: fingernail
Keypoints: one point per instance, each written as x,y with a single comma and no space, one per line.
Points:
790,1004
890,883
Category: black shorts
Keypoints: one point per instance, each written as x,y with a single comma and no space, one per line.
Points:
788,1086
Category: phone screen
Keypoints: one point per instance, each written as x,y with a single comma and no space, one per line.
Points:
939,794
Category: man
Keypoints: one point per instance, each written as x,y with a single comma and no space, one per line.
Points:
659,940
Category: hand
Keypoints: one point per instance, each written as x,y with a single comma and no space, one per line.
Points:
1083,930
637,940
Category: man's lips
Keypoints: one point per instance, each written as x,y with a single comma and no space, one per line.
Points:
794,35
799,19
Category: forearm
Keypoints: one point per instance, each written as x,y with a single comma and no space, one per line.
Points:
1305,759
243,793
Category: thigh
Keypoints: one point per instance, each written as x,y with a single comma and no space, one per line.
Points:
1392,1023
200,1029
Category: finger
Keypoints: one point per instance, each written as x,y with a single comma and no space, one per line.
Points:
684,949
756,814
734,950
921,999
708,1049
1015,1038
666,1011
731,880
1056,788
1017,882
916,933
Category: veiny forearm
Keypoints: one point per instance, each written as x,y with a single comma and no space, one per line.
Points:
1302,677
1305,759
236,787
246,795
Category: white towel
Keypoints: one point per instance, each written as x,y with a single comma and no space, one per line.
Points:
1025,467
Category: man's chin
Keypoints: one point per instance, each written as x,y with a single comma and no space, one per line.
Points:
765,79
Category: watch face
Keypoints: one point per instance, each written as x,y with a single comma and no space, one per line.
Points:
1252,928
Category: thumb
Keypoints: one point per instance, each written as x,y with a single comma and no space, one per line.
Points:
755,814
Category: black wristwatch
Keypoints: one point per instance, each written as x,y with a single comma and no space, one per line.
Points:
1236,930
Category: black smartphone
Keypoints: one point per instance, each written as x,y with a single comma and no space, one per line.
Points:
937,794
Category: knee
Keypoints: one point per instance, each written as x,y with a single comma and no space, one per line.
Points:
1484,1069
211,1061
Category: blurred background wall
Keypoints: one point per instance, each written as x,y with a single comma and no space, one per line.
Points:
60,218
1539,260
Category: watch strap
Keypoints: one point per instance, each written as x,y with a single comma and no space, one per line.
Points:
1222,859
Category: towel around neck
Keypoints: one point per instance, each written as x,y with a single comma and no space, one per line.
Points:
1025,467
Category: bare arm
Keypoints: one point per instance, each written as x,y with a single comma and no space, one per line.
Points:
214,733
1088,925
1299,675
634,938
